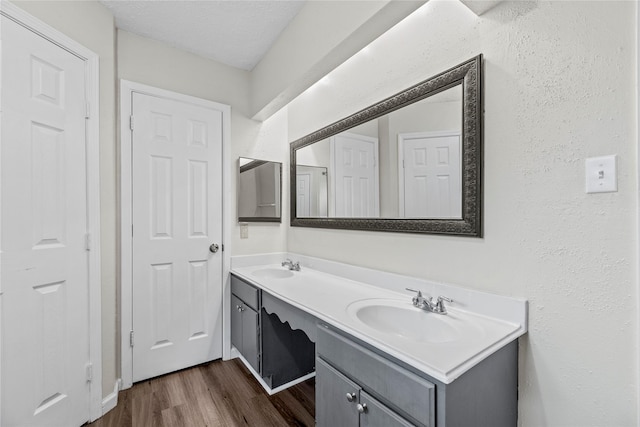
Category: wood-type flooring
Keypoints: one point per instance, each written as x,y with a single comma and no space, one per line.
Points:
213,394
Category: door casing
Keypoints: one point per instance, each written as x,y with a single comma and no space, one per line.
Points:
127,89
92,82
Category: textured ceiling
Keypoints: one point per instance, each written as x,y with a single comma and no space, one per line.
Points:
235,32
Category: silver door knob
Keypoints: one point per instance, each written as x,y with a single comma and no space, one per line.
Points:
362,407
351,397
214,248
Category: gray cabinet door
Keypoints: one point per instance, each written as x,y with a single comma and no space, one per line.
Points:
333,409
378,415
250,336
236,323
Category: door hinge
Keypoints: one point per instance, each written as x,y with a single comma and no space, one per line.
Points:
131,122
131,338
87,241
90,372
223,247
87,114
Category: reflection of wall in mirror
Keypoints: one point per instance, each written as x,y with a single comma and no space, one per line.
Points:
259,191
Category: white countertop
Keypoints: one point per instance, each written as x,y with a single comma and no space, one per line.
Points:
331,298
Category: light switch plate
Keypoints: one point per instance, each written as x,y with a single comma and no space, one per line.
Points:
244,230
601,174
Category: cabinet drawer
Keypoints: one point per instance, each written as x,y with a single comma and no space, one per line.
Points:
407,393
245,292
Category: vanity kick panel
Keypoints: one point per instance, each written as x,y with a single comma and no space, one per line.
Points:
407,392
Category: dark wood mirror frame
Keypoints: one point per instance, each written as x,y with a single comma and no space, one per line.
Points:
467,74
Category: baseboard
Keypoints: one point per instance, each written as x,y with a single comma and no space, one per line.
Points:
110,402
233,353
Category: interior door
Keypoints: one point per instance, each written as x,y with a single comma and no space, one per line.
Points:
44,264
303,195
177,215
355,161
431,175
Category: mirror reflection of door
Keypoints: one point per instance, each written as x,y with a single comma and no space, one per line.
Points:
311,191
354,159
303,196
430,175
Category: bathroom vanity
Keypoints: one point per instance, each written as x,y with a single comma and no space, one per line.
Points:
276,353
379,360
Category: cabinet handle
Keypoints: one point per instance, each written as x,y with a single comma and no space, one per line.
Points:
362,408
351,397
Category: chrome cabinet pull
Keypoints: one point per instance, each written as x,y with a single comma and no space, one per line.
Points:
351,397
362,407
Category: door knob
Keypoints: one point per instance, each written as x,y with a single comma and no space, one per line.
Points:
213,248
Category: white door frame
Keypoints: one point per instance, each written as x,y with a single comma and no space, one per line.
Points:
127,89
414,135
91,61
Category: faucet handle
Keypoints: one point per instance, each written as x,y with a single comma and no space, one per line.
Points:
438,304
415,290
417,300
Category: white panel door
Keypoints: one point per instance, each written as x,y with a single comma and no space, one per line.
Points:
355,165
44,268
303,195
431,176
177,215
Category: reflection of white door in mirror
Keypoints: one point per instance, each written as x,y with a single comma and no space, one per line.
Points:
430,175
311,191
354,160
303,196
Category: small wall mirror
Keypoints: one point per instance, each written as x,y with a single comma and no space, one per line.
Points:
411,162
259,190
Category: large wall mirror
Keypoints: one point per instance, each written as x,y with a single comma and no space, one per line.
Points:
259,190
410,163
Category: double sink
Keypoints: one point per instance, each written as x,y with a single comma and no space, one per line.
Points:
398,318
373,306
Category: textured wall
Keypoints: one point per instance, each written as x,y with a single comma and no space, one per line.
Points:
559,87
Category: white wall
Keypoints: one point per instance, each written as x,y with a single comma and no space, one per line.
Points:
559,87
91,24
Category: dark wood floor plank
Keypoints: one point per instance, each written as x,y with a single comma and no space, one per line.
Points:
215,394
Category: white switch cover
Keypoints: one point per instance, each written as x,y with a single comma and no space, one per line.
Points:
244,230
601,174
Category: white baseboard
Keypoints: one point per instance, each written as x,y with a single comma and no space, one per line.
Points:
233,353
269,390
110,402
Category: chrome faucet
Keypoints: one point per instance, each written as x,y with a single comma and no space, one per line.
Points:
435,305
292,265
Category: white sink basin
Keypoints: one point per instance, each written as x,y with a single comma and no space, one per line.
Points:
272,273
402,319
